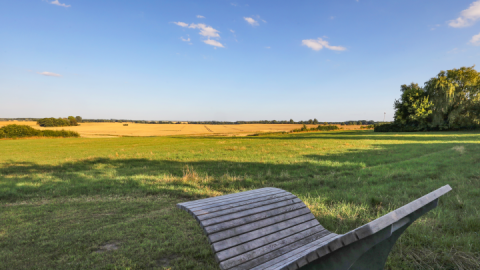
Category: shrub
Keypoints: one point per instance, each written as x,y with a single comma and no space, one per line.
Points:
320,128
22,131
57,122
327,128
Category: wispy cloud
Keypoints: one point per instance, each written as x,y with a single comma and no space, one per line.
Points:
186,40
46,73
55,2
234,4
475,40
206,31
182,24
435,27
318,44
200,17
467,16
213,43
268,47
251,21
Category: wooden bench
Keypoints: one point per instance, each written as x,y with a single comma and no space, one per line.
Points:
270,228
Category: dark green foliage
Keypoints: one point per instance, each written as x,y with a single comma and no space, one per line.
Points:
73,121
449,101
22,131
319,128
327,128
57,122
396,127
79,119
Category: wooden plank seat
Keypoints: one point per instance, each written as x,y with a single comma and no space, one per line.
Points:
270,228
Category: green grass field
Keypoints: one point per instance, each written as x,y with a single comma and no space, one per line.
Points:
110,203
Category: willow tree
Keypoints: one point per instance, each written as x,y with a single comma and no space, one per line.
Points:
455,95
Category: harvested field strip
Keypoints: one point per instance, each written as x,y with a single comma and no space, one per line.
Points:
147,130
208,129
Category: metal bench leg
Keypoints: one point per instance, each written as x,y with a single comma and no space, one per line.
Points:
369,253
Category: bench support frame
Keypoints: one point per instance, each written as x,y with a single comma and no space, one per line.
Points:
369,253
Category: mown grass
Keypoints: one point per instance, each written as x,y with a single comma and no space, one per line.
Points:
110,203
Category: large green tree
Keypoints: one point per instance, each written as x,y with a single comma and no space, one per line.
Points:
451,100
413,107
455,95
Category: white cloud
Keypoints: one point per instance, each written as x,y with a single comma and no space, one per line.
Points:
318,44
467,16
234,4
232,31
475,40
252,21
182,24
46,73
206,31
186,40
200,17
55,2
213,43
268,47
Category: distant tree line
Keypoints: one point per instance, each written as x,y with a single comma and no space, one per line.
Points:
449,101
319,128
21,131
59,122
291,121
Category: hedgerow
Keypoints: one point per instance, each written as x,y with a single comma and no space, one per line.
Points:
22,131
57,122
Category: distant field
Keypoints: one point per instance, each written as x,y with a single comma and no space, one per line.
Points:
133,129
109,203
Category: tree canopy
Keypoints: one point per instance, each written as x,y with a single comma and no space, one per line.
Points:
449,101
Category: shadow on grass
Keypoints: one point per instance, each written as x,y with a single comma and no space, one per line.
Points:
432,136
376,171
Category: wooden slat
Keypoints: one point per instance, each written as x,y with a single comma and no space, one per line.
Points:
249,212
293,256
253,218
215,237
242,238
224,197
215,203
243,193
226,205
271,251
265,240
245,207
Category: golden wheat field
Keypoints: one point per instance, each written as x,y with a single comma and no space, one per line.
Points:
118,129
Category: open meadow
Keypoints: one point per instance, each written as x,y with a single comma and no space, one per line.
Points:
109,203
94,130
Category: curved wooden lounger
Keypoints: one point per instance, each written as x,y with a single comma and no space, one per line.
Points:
270,228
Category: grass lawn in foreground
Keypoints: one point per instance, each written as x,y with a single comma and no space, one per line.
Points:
110,203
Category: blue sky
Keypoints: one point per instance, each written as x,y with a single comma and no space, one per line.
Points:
332,60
